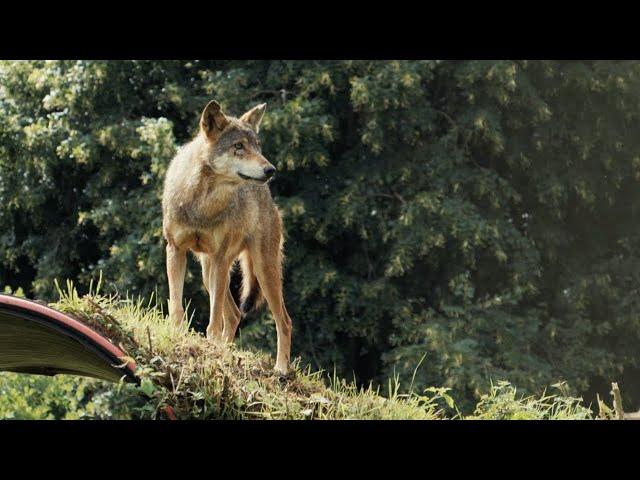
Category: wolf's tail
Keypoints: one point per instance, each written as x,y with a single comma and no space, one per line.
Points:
251,296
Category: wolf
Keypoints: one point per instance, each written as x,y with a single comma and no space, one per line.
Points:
217,204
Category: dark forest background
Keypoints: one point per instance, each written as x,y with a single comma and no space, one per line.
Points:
480,214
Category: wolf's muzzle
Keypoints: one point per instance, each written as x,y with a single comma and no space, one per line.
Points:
269,171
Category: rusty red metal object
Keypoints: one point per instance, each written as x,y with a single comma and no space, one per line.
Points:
37,339
169,412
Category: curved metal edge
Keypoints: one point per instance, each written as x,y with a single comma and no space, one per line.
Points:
72,324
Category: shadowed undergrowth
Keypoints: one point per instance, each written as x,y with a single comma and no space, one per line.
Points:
185,376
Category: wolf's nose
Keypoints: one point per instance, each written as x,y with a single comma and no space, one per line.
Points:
269,171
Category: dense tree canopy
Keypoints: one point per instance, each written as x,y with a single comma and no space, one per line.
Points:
481,216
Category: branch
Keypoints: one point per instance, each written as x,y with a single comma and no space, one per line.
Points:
455,127
395,196
617,401
448,117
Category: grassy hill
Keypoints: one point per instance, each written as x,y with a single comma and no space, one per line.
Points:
185,376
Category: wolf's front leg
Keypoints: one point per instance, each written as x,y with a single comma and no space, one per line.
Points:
218,284
176,267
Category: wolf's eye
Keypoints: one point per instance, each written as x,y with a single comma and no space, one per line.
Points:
239,146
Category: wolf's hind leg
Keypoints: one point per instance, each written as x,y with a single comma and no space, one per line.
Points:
206,268
231,318
176,267
231,312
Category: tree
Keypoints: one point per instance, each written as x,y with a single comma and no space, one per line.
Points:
481,214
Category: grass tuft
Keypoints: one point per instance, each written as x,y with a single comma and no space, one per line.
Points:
186,376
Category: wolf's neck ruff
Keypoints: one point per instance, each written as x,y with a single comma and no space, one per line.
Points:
191,218
205,204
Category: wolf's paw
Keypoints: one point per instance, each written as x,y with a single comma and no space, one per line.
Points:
213,334
176,317
284,374
176,322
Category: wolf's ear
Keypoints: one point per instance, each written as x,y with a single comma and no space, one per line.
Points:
212,120
254,116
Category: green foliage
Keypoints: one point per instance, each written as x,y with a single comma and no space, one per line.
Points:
481,213
26,397
63,397
502,403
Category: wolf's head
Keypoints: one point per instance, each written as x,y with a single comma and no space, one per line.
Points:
232,144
